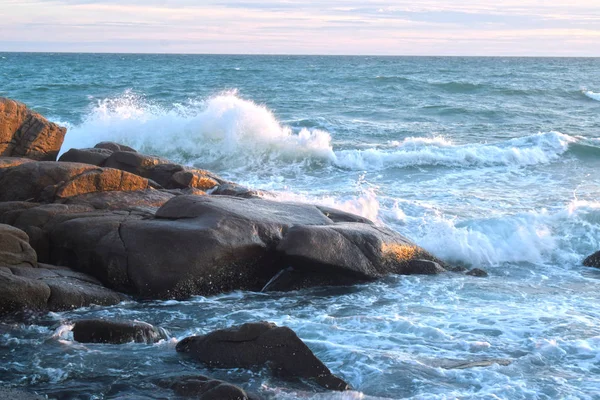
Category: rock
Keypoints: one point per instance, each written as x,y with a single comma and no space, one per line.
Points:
149,200
8,162
116,332
593,260
50,181
25,286
478,273
162,171
203,245
135,163
21,294
24,133
423,267
195,179
235,190
15,248
112,146
204,388
363,251
86,156
261,344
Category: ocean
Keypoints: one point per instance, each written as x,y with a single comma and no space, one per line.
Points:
486,162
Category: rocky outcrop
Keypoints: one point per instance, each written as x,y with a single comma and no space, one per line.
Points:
51,181
261,344
204,388
158,170
25,285
116,332
24,133
592,260
213,244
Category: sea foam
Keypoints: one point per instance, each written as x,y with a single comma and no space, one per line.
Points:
592,95
227,132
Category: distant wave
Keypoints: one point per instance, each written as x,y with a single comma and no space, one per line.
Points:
592,95
227,132
529,150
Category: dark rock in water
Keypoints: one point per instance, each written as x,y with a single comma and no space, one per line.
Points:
423,267
235,190
15,248
116,332
261,344
458,268
210,244
51,181
92,156
593,260
477,272
204,388
15,394
361,250
24,133
112,146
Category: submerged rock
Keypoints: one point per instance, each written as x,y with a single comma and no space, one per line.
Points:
261,344
592,260
204,388
24,133
478,273
116,332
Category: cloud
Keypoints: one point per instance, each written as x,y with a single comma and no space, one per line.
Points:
469,27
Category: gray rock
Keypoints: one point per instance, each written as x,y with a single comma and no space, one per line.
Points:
257,345
116,332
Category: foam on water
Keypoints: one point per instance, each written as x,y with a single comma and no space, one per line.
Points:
529,150
592,95
223,129
228,132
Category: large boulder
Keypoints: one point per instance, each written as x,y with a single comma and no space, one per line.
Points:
592,260
261,344
116,332
51,181
213,244
24,133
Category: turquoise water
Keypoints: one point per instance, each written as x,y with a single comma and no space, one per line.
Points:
487,162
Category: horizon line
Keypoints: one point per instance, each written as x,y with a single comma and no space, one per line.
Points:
296,54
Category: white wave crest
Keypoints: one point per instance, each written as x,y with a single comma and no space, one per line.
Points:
592,95
223,128
529,150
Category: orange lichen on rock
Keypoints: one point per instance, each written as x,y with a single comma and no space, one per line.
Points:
399,252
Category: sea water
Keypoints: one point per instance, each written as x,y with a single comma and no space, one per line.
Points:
486,162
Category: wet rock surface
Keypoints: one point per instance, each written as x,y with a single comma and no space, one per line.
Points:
261,344
116,332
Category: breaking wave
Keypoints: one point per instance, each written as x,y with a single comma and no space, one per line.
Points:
227,132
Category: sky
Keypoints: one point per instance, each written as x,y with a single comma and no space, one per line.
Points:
422,27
